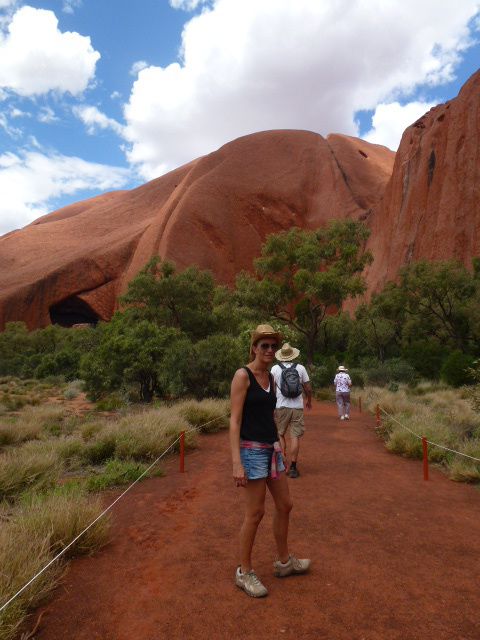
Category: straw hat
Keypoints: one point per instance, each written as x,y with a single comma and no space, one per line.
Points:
342,368
261,332
287,353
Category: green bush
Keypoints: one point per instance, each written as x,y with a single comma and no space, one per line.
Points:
456,369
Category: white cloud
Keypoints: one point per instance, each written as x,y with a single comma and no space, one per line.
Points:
30,181
11,131
69,6
390,121
187,5
248,66
47,115
94,119
35,57
137,67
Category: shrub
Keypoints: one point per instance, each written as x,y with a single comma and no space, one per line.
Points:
321,376
456,369
400,370
73,389
378,376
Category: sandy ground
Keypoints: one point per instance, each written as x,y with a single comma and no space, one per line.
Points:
394,557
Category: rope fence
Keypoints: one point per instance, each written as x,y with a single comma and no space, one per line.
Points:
425,441
181,439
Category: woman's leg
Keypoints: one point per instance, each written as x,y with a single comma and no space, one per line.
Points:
254,510
346,399
283,505
339,404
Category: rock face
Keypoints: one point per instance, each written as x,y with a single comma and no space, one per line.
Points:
70,266
431,207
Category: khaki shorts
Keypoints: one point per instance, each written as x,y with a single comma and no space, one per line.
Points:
285,417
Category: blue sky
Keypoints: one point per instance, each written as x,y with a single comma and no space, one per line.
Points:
97,95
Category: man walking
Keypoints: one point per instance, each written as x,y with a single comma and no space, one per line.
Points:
342,384
291,380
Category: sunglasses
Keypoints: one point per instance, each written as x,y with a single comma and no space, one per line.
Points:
268,345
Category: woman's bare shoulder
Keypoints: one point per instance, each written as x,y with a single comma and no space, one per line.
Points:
241,374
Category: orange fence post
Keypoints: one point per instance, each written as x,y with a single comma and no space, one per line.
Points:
378,415
425,458
360,404
182,452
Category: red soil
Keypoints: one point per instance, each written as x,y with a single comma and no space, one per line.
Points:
393,556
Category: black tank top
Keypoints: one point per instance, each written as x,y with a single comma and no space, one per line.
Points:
257,418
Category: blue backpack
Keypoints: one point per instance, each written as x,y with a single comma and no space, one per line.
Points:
290,385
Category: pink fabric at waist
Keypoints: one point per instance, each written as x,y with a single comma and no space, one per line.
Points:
277,451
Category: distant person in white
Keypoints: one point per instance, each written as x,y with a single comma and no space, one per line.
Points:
289,411
342,384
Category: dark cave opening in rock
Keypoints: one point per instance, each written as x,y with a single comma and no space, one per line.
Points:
72,311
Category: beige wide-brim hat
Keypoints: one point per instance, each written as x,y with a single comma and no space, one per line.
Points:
287,353
261,332
342,368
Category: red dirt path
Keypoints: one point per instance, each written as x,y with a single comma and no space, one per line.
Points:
393,556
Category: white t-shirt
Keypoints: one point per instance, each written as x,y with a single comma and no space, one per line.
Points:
282,401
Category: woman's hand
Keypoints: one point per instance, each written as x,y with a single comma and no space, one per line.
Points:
239,475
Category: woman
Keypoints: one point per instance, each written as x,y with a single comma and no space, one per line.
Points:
257,460
342,384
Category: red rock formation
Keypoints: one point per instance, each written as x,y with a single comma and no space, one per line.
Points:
431,207
214,212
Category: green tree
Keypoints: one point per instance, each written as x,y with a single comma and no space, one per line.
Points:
130,353
302,276
181,300
437,299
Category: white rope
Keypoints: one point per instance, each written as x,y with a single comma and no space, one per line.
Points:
453,451
434,444
104,512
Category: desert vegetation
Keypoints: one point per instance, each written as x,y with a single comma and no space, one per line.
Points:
444,415
54,462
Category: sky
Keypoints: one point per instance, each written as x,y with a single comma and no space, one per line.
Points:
99,95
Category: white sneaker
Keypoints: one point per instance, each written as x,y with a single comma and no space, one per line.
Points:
347,417
293,566
342,417
250,583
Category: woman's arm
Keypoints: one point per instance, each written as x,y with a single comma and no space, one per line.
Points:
238,392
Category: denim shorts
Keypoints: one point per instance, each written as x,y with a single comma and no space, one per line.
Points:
257,463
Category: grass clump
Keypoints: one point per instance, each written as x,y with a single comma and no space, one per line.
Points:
208,415
146,435
117,473
33,532
26,468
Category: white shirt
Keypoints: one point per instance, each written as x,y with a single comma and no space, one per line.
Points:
282,401
342,382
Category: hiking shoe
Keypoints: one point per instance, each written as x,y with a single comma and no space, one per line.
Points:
293,472
294,566
250,583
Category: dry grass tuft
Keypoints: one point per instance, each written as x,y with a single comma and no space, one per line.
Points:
27,468
214,412
443,415
34,532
